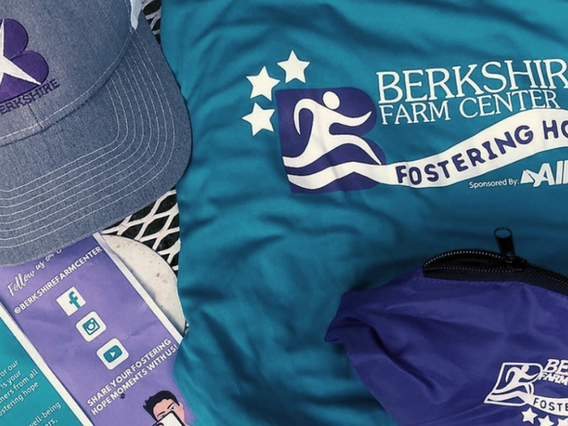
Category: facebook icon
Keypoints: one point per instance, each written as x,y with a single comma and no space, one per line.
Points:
71,301
74,300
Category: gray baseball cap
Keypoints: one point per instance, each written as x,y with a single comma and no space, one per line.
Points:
93,126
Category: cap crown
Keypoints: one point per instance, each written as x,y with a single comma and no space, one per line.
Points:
54,55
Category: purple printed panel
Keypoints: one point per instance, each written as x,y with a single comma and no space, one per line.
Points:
108,344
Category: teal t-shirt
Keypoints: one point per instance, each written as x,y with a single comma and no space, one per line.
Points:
336,145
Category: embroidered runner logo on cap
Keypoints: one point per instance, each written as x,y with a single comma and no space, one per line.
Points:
20,70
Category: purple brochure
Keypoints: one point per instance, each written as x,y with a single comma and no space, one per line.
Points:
99,332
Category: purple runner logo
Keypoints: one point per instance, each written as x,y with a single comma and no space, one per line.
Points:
21,70
325,128
321,131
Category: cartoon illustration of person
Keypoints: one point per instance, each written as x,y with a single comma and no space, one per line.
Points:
164,402
322,140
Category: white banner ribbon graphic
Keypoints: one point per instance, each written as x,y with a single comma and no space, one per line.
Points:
556,406
515,138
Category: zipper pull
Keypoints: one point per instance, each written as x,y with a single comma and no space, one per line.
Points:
504,238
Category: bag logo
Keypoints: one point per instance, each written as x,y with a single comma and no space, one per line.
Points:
526,384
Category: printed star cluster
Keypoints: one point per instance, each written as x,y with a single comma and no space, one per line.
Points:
263,85
529,416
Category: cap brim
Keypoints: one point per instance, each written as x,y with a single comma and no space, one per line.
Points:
117,153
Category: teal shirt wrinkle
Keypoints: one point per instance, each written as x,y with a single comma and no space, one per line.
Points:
262,267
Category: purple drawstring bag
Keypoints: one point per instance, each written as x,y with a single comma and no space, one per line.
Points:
471,337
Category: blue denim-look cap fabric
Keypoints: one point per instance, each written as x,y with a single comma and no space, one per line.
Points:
92,124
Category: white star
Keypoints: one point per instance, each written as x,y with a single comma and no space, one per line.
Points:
563,422
545,422
529,416
262,84
259,119
7,67
294,68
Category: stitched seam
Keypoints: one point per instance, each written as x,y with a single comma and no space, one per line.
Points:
103,172
76,100
170,115
126,137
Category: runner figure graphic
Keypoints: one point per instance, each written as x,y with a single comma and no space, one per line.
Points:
321,139
518,378
515,384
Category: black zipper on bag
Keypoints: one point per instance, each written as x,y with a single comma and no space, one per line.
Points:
485,265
